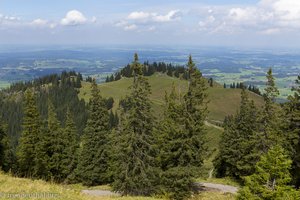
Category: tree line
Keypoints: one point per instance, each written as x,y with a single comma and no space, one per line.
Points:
149,69
241,85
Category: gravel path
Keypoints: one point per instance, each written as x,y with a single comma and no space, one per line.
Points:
217,187
200,186
99,193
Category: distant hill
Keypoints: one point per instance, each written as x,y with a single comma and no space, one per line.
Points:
223,102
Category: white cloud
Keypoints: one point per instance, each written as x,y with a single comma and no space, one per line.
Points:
130,27
39,22
139,15
73,18
151,17
9,20
265,17
270,31
94,19
170,16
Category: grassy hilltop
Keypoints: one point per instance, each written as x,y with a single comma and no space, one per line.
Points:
223,102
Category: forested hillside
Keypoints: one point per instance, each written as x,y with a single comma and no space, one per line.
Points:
149,134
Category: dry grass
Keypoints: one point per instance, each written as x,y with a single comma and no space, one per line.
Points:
10,187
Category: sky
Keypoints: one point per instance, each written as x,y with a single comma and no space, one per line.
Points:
240,23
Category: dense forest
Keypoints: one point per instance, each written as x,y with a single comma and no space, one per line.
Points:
47,132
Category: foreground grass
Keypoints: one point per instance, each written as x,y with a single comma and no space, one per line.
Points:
12,188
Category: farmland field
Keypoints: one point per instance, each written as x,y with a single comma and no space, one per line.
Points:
222,64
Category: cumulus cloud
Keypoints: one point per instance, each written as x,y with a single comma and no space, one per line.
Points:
155,17
73,18
130,27
266,17
39,22
146,21
270,31
9,20
139,15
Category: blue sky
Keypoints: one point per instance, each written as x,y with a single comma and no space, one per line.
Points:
261,23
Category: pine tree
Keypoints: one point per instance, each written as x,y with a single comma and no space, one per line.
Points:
292,110
93,162
271,178
175,147
52,145
70,151
3,146
182,143
237,155
195,101
30,136
134,161
270,121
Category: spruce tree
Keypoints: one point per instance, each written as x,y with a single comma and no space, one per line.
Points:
175,147
70,151
195,102
3,147
182,136
292,110
30,136
134,161
271,178
93,163
237,155
53,145
270,120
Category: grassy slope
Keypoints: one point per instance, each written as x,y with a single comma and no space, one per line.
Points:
222,101
15,186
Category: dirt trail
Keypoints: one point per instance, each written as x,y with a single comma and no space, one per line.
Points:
217,187
200,186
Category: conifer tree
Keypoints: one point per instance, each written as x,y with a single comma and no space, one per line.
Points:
195,101
52,146
237,155
134,161
292,110
93,162
270,121
271,178
70,151
3,147
181,136
30,136
175,145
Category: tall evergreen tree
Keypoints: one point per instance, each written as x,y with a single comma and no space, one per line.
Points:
195,101
3,146
182,136
292,110
94,159
175,146
134,161
53,145
30,136
271,178
237,155
70,151
270,121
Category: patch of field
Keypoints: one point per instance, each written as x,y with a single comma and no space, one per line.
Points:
4,84
223,102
